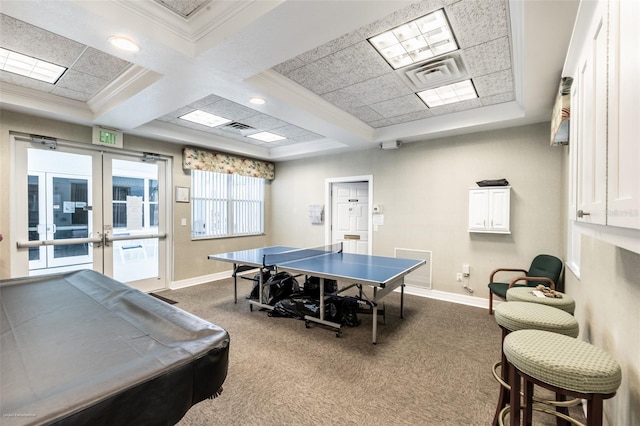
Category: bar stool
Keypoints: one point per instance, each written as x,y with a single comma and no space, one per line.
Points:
513,316
525,294
582,371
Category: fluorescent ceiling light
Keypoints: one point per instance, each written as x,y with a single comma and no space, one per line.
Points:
415,41
205,118
266,137
124,43
28,66
448,94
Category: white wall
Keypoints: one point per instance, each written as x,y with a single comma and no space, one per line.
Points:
423,188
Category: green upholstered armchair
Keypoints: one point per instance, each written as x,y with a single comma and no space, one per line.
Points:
545,269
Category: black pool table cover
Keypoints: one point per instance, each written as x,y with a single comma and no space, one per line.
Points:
82,348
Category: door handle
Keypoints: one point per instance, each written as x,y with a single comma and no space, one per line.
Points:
583,213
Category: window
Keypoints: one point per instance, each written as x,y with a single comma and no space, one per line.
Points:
145,188
226,205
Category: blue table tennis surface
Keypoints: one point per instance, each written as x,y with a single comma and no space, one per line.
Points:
349,266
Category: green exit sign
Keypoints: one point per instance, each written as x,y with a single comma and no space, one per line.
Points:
107,137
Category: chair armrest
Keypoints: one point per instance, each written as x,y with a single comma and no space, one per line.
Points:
524,271
552,285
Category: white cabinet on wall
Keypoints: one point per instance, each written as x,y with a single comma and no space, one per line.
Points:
604,60
623,183
489,209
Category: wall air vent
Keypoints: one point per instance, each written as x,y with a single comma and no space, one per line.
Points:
435,72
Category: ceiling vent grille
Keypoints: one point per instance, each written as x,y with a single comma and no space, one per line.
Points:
238,128
436,72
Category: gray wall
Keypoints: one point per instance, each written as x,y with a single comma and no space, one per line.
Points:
423,188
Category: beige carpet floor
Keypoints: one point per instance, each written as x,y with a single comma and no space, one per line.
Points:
431,368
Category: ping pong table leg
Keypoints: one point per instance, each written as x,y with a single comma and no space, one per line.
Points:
235,283
402,300
374,336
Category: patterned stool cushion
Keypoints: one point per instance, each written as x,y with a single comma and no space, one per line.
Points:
563,362
525,294
525,316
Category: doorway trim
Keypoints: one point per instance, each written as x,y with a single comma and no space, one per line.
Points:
328,223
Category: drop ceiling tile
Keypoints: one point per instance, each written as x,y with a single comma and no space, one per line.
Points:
205,101
81,82
71,94
349,66
365,113
294,132
476,22
184,8
498,99
405,118
343,99
20,37
331,47
399,106
288,66
493,84
263,122
488,57
401,16
378,89
228,109
100,64
177,113
20,80
456,107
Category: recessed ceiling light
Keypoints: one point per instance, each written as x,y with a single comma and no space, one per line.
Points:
124,43
257,101
448,94
266,137
205,118
416,40
31,67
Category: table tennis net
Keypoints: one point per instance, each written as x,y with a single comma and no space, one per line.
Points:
289,256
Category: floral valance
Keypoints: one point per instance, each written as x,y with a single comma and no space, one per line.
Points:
198,159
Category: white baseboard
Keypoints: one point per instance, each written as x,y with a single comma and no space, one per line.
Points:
175,285
462,299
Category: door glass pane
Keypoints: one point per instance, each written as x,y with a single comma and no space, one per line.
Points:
59,197
70,217
135,213
34,215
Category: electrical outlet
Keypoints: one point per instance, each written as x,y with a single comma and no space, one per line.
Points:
459,276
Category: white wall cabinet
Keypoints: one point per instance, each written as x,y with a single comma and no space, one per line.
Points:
489,209
604,60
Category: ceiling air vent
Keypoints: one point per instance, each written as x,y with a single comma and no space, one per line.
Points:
435,72
238,128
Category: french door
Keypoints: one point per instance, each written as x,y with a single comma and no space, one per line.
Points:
89,209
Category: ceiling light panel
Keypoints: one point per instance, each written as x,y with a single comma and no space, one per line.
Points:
31,67
415,41
205,118
266,137
448,94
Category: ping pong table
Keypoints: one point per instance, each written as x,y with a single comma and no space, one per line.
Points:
382,274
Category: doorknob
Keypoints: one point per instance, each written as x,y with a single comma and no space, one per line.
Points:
87,208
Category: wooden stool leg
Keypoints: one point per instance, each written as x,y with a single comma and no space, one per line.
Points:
594,410
503,398
564,410
514,400
528,402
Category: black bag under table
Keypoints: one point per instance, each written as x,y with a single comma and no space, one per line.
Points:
83,349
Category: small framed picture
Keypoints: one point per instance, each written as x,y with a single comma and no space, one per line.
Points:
182,194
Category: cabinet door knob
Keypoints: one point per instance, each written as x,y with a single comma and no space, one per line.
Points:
582,213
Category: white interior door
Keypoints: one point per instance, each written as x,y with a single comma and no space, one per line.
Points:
350,216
